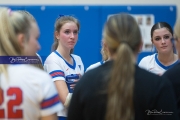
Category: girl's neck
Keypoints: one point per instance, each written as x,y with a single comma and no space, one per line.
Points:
167,59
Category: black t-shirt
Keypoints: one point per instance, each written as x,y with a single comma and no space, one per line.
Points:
151,93
173,75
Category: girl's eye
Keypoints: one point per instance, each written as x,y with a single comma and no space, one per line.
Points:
75,32
67,32
166,37
157,39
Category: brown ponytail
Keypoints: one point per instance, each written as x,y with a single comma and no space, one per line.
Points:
120,89
123,38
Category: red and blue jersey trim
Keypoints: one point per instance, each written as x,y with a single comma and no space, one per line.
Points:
47,103
57,73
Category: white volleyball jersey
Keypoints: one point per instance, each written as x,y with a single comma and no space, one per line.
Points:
95,65
152,64
59,69
27,94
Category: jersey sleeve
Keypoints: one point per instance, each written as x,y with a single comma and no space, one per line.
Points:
54,68
143,63
50,102
89,68
93,66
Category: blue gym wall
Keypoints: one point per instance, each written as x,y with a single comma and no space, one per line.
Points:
92,19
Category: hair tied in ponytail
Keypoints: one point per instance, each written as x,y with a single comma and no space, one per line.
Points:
124,42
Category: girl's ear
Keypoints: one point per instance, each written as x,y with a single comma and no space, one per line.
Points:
104,44
56,35
21,40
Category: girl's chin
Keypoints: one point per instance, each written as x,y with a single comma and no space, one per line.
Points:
71,47
164,51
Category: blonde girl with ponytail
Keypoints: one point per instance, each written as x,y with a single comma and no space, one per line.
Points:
26,92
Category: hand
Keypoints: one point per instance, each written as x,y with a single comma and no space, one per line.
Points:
80,76
72,86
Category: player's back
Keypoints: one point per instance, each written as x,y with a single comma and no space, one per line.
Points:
28,93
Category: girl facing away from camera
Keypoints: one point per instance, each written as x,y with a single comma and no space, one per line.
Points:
165,58
65,67
25,91
119,89
31,18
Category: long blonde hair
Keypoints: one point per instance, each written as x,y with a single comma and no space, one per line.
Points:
177,28
32,19
104,53
123,38
12,23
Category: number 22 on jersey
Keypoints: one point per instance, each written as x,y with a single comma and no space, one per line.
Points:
9,107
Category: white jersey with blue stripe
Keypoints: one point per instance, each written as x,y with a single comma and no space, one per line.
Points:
152,64
27,93
95,65
60,69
